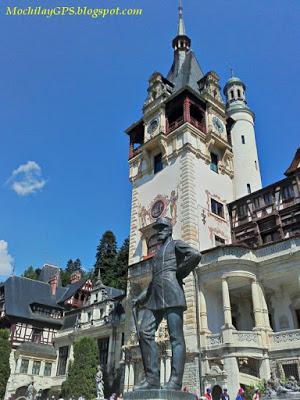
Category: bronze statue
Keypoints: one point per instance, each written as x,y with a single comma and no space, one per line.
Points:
164,298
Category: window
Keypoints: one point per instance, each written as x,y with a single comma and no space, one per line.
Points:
217,208
291,370
36,367
268,198
255,163
62,360
103,350
219,241
287,192
243,139
214,162
248,188
232,94
158,165
256,202
270,237
242,210
239,93
24,366
48,369
37,335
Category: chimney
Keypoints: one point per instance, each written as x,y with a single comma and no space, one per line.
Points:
53,284
75,277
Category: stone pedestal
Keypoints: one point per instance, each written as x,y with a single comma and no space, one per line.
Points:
158,394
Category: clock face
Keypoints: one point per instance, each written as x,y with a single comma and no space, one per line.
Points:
153,125
218,124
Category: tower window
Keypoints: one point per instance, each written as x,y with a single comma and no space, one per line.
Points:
219,241
255,163
239,93
214,162
217,208
243,139
231,94
158,165
248,188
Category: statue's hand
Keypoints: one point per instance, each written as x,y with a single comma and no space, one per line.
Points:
140,299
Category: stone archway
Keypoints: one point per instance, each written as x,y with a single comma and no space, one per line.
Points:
216,392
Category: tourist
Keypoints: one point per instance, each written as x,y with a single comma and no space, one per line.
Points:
256,395
241,394
185,389
208,394
224,394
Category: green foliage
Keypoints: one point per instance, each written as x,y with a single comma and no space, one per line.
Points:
113,264
249,390
106,258
72,266
122,265
32,273
5,349
82,371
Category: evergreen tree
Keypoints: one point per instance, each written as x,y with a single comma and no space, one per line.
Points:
31,273
5,349
72,266
106,258
82,371
122,265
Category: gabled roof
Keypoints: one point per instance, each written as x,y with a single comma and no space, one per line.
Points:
295,163
21,292
71,290
186,73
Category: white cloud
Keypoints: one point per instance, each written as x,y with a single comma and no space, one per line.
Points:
6,260
27,179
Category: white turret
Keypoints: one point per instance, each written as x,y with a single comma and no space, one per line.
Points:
247,177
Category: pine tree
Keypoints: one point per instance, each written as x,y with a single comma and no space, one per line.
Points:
5,349
106,258
122,265
72,266
82,371
31,273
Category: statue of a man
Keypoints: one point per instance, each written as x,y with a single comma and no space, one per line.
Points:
99,384
164,298
30,392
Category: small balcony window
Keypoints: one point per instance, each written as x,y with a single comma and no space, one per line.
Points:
257,202
242,210
24,366
48,369
287,192
248,188
36,367
268,198
214,162
158,164
217,208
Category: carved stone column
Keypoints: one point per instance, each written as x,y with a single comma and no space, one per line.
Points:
203,312
256,300
265,310
226,304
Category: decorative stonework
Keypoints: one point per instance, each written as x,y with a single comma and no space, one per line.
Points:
133,225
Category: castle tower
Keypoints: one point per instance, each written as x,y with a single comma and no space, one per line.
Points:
247,177
181,168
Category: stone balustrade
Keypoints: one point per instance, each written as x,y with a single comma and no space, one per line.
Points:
285,339
214,339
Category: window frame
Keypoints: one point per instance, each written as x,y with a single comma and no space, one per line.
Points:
157,165
24,371
214,166
219,210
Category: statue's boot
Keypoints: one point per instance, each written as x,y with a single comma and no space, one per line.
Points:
172,385
145,385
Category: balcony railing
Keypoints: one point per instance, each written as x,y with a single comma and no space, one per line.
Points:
285,339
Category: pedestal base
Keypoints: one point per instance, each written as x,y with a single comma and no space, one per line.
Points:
159,394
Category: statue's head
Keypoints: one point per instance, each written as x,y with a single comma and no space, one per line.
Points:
163,226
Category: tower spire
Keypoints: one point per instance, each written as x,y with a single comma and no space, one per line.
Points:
181,26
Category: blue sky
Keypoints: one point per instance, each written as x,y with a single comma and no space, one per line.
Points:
70,86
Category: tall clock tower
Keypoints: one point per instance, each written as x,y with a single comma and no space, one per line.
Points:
181,168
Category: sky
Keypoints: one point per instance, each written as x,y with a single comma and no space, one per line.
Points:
71,85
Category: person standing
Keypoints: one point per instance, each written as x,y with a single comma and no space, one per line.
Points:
208,394
225,395
256,395
240,394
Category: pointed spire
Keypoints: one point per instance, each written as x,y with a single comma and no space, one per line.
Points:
99,280
181,26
